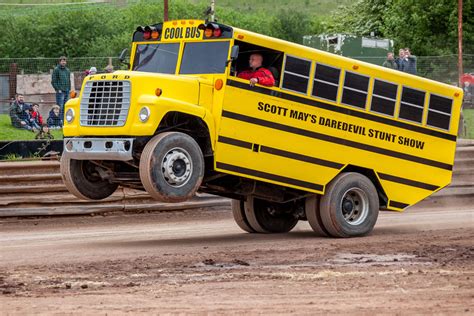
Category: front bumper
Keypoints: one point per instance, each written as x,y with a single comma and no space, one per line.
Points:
99,148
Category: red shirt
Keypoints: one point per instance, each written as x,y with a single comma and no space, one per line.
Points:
38,117
264,76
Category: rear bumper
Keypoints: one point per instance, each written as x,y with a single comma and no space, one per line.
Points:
99,148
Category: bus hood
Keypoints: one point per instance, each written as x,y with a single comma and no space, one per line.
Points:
185,89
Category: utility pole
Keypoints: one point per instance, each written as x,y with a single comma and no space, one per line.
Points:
460,66
165,10
213,5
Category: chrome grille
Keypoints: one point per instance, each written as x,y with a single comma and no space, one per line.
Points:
105,103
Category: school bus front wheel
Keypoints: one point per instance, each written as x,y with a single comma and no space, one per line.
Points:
171,167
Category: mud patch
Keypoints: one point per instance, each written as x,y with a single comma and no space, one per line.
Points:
357,259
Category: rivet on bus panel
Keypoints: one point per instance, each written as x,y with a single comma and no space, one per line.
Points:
240,36
218,84
355,67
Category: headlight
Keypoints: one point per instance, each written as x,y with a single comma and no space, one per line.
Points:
70,115
144,114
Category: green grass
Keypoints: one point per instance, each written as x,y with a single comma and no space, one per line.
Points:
312,7
469,121
8,132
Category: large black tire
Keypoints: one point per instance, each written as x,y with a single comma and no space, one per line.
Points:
350,206
313,215
269,217
240,218
171,167
82,179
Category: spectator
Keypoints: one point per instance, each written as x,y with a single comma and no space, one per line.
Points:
55,121
401,56
36,116
409,62
257,73
390,62
44,133
17,109
109,69
26,117
61,81
92,71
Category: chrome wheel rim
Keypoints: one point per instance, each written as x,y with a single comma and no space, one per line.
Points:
177,167
355,206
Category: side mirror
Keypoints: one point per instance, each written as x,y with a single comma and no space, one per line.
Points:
234,53
122,57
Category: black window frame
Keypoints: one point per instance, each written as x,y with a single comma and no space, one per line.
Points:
384,97
283,74
412,105
439,112
355,90
338,85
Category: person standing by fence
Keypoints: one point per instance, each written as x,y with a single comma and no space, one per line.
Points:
390,62
409,62
61,82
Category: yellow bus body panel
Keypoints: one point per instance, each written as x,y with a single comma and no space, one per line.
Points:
294,139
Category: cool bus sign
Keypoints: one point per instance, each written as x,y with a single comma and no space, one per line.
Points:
184,31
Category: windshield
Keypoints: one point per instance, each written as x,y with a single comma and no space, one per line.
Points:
205,58
158,58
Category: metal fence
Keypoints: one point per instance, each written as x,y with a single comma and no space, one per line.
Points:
439,68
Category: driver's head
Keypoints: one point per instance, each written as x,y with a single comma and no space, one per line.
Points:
255,61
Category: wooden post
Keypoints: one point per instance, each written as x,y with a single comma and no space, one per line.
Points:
166,11
460,65
12,79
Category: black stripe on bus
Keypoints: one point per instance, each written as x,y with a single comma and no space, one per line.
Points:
341,141
326,163
269,176
399,205
329,107
282,153
234,142
409,182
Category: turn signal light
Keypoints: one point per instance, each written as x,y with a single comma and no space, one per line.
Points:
72,94
211,30
158,92
208,33
218,84
149,32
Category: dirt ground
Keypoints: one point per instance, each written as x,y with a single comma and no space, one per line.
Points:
199,262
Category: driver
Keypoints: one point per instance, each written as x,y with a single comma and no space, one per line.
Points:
257,73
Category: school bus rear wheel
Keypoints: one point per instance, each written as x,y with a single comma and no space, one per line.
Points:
269,217
171,167
238,211
83,180
349,207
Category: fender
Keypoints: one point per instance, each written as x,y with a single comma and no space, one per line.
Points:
159,107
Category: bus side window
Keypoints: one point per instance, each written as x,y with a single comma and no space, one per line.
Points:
296,74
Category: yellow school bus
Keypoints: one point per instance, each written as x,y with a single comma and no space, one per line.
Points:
333,141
